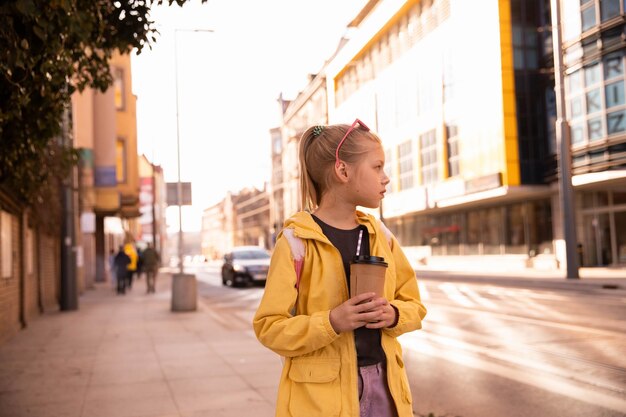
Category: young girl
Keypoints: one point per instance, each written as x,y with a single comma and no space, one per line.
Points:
342,356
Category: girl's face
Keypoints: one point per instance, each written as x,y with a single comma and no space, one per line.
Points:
368,183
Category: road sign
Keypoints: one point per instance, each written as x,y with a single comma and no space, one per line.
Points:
172,193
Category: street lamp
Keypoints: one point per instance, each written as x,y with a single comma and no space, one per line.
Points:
179,190
562,131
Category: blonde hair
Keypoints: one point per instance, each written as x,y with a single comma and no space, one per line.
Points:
318,145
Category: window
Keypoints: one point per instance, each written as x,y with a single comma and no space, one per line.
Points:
595,128
120,160
388,161
118,89
30,252
609,9
405,164
578,135
515,219
597,100
594,101
428,157
453,150
278,145
7,245
613,66
588,15
614,94
616,122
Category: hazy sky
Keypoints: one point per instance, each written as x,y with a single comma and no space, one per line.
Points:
228,83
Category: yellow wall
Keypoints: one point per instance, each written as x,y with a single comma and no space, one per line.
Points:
512,173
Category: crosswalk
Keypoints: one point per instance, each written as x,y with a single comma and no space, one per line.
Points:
568,343
537,303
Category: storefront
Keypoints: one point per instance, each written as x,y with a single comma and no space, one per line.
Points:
603,236
520,228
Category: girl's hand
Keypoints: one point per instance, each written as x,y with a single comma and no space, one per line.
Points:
361,310
387,316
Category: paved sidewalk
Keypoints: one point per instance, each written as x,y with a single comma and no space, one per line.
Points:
129,355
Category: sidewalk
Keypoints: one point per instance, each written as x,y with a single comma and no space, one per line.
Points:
129,355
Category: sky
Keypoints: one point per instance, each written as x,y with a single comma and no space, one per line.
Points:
229,81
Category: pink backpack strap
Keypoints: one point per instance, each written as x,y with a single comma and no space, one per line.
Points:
297,252
387,232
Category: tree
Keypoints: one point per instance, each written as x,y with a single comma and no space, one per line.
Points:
50,48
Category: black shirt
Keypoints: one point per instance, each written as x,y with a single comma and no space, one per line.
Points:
368,348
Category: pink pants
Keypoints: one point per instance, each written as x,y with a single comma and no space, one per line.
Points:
374,395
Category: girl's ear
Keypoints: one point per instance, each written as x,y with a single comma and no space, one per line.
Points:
341,172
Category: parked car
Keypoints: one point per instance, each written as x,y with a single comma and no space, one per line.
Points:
245,265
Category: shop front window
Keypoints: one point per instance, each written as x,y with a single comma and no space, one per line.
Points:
619,198
492,228
473,236
405,165
515,235
620,235
540,228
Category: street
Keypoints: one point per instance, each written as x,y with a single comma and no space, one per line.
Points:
488,350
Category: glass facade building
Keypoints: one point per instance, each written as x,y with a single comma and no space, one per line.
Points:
466,113
594,48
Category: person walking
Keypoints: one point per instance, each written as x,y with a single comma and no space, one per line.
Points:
131,269
120,264
342,357
150,260
111,265
139,263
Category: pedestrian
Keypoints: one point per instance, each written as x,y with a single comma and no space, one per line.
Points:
120,262
151,261
139,263
342,357
112,273
130,250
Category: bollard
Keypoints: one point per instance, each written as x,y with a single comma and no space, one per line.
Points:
184,292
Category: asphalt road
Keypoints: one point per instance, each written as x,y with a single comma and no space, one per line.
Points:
489,350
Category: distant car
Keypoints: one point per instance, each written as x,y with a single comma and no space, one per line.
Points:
245,265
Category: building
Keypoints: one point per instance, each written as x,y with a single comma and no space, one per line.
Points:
152,205
310,107
105,131
466,113
594,49
276,185
217,229
240,219
38,265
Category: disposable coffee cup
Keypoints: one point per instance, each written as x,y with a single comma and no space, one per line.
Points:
367,274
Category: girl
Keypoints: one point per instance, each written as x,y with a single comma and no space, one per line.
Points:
342,356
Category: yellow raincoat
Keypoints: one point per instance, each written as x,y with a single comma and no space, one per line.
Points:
319,377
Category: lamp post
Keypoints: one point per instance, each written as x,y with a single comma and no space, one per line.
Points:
184,286
179,190
563,140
